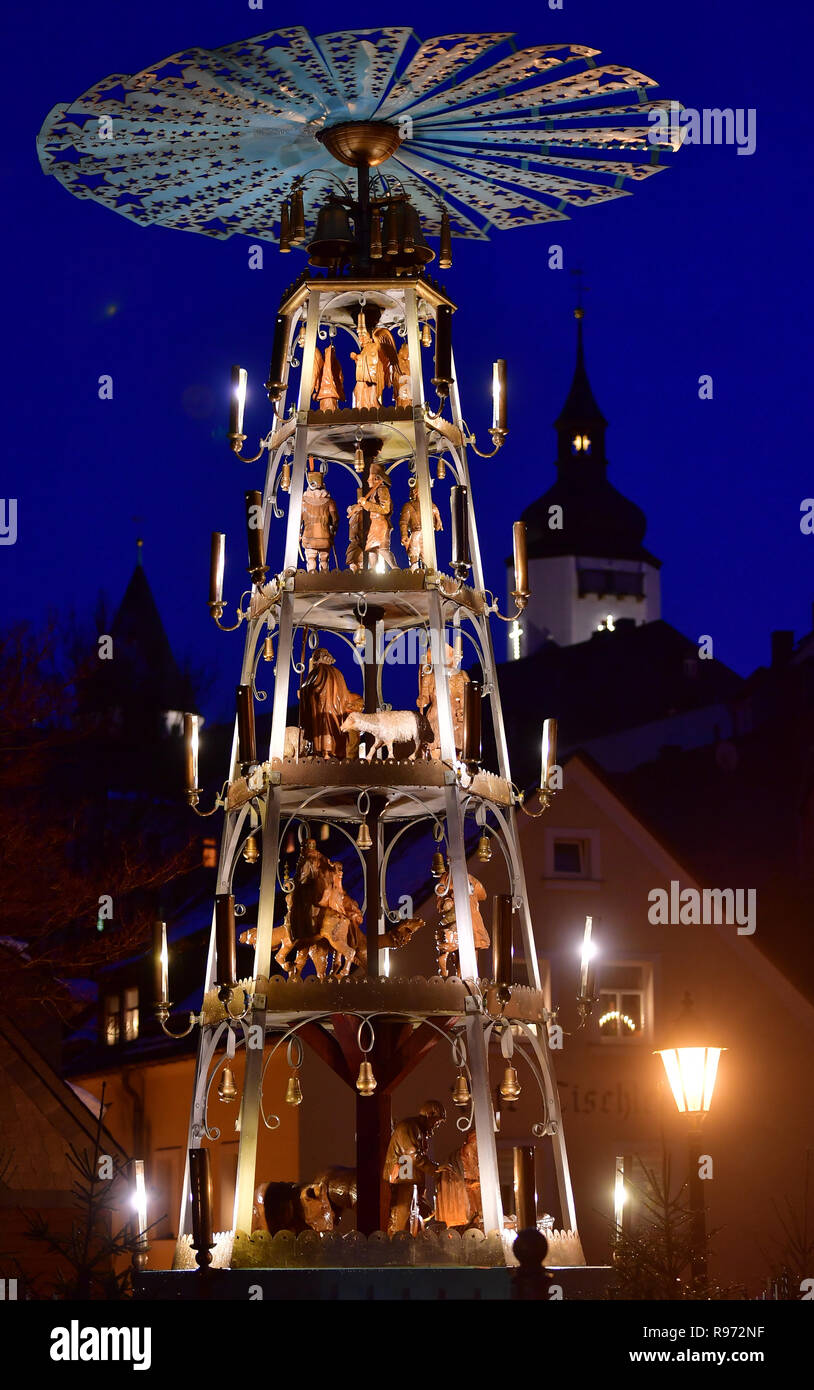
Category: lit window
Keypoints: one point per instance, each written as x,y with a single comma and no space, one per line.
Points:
622,1012
581,444
130,1015
112,1025
209,855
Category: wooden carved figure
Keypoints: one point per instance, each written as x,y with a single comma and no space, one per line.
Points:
378,504
355,552
325,701
458,1203
447,933
376,366
320,519
427,701
404,389
328,386
407,1164
410,528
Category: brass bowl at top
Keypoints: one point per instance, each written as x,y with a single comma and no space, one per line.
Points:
361,142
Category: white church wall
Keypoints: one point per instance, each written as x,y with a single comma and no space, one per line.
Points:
556,611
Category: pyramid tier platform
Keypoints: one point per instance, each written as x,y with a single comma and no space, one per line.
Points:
333,435
337,783
359,993
326,598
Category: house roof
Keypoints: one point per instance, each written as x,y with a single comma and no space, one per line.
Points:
620,680
41,1115
141,644
736,815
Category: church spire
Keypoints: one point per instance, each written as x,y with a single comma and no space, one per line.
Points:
580,424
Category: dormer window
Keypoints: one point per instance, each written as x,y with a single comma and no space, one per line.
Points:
581,444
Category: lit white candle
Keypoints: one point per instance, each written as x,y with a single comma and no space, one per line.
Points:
587,953
217,562
160,963
549,752
191,734
499,401
165,964
140,1200
239,381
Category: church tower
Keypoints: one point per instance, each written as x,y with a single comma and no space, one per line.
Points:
588,567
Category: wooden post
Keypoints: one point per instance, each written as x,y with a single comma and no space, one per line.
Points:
373,1125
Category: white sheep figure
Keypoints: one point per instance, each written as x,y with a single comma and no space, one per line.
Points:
389,727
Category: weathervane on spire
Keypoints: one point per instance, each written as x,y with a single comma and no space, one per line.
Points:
579,309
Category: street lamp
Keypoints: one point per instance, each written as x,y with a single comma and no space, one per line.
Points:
692,1068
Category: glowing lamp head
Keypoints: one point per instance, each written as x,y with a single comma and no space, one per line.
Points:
690,1065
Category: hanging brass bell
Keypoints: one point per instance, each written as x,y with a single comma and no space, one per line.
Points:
441,470
510,1086
250,851
366,1082
426,334
484,848
359,459
460,1093
437,867
227,1090
301,335
268,648
363,839
415,249
293,1091
324,831
285,228
445,249
333,239
285,477
360,637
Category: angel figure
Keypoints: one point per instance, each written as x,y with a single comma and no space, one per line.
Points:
377,366
327,386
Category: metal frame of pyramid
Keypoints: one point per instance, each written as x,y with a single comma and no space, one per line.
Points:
483,135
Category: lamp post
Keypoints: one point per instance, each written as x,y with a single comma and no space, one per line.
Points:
692,1067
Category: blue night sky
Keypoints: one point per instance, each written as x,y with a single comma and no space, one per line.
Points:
702,270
